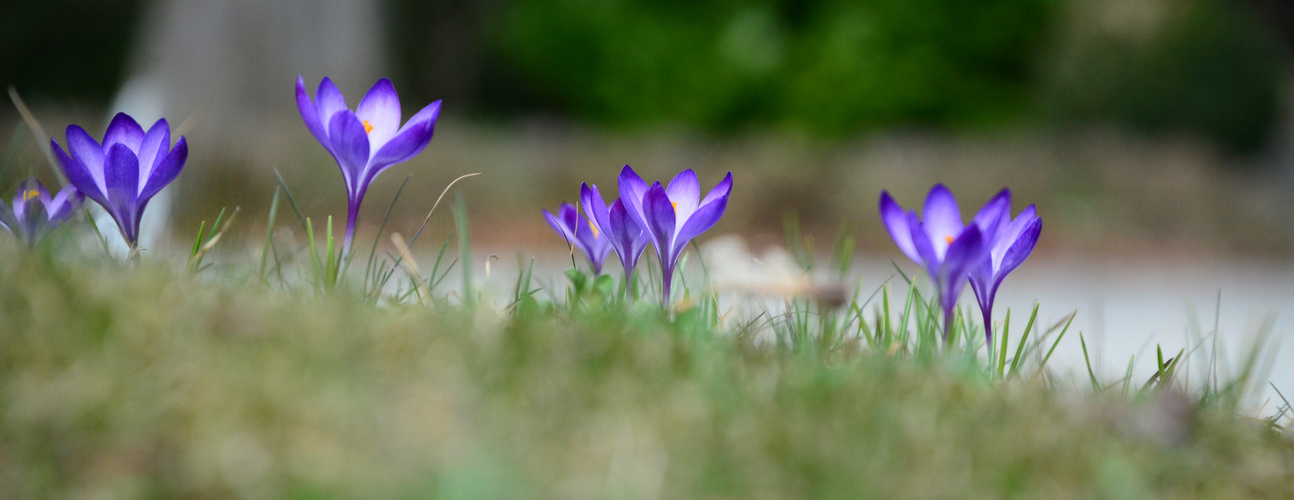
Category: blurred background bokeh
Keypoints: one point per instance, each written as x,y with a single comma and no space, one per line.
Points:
1139,127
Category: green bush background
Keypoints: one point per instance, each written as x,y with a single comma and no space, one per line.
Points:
829,68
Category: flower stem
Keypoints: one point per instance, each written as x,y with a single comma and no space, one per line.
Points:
629,283
667,278
948,320
988,324
352,219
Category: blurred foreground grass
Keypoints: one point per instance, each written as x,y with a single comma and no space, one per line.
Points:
146,382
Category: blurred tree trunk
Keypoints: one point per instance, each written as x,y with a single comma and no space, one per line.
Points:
231,66
237,60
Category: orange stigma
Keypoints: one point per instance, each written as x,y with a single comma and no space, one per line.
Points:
596,233
29,194
675,204
368,127
949,239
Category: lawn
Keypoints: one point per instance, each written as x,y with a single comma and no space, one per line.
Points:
150,380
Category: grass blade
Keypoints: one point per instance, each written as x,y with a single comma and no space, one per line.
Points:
1019,350
269,232
1088,361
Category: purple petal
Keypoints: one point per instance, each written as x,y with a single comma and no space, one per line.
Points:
18,205
559,226
597,253
90,153
124,130
632,191
702,220
23,202
154,148
568,216
570,220
121,170
1019,250
42,194
594,244
1010,232
380,109
981,290
310,115
350,145
921,242
430,113
896,222
584,230
412,138
941,218
721,189
31,218
578,231
405,145
65,204
992,216
328,102
166,170
660,220
7,220
77,174
964,253
139,217
631,238
685,192
594,207
618,238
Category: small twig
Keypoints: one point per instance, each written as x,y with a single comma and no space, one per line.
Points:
437,203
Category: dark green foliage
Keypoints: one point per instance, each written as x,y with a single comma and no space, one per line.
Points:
831,67
1203,67
66,49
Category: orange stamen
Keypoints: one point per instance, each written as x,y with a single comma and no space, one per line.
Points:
27,196
596,233
949,239
368,127
675,204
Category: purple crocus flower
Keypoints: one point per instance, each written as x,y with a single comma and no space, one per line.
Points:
365,141
581,232
940,242
34,213
1008,242
626,237
671,216
124,172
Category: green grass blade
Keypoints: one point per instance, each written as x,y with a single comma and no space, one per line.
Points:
1043,365
292,202
1088,361
372,252
1127,376
1006,337
1019,350
269,232
313,247
197,242
98,234
220,217
333,258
